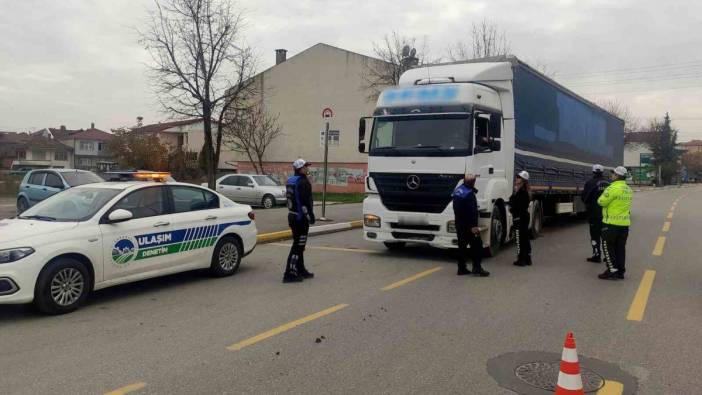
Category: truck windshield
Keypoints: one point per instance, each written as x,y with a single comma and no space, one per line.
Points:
422,135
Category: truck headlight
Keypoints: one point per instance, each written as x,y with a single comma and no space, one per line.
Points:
14,254
451,226
371,221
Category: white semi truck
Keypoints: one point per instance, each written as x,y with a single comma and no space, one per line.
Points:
490,117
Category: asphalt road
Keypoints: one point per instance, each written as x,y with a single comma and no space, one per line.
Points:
374,321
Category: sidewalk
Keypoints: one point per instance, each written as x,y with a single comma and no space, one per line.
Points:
274,220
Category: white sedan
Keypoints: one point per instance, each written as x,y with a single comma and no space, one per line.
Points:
99,235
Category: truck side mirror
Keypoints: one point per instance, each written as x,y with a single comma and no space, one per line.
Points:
495,126
495,145
362,129
362,148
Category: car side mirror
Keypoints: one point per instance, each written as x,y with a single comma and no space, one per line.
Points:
120,215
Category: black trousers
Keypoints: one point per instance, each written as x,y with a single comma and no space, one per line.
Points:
523,236
614,247
296,258
596,235
467,238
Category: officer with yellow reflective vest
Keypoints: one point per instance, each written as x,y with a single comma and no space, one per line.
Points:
616,219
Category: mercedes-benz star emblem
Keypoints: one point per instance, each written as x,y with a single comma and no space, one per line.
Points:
413,182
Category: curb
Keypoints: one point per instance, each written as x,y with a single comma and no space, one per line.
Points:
314,231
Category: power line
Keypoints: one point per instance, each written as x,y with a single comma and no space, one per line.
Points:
637,69
636,80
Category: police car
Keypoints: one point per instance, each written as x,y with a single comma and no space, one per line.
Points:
99,235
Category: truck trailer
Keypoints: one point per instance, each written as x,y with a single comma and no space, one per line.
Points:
490,117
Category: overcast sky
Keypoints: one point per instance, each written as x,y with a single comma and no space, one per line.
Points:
73,62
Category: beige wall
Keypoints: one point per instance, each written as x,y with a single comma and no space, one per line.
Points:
195,140
632,154
300,88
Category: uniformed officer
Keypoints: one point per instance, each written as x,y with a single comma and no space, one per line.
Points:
591,192
300,217
519,207
616,219
465,209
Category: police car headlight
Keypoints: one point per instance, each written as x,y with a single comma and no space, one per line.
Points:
14,254
451,226
371,221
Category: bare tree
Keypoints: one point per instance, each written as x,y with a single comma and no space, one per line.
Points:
200,67
487,40
251,131
614,107
395,54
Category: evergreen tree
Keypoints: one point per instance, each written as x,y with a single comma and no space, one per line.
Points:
665,155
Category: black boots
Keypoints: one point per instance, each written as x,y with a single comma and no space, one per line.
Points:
478,271
291,278
594,259
463,270
523,261
607,275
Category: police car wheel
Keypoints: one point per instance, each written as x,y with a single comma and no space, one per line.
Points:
62,287
22,205
226,257
268,201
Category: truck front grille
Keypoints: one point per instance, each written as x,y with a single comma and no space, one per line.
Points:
432,195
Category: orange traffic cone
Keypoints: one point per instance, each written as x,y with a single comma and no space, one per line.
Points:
569,380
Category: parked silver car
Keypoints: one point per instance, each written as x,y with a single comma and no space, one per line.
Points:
253,189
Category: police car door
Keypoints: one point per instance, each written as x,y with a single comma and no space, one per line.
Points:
143,244
196,220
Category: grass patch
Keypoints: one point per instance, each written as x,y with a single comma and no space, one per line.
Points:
340,197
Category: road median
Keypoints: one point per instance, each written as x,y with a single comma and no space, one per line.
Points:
314,231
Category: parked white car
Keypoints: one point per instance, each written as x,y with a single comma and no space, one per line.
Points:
254,189
99,235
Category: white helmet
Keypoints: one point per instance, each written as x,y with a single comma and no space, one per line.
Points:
300,163
620,171
524,174
597,169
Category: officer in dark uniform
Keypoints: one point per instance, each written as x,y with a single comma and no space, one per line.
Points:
300,217
519,208
591,192
465,208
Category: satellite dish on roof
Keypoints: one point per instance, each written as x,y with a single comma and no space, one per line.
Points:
405,51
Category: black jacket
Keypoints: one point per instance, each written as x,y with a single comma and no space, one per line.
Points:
465,206
519,204
591,192
299,196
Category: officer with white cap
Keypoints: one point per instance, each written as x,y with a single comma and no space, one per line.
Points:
300,217
616,219
519,208
591,192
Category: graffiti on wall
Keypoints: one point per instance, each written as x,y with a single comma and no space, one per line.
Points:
342,177
339,176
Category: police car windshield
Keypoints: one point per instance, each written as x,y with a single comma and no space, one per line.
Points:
81,178
266,181
72,205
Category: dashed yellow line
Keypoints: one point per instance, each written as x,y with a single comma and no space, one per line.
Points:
660,245
638,305
127,389
670,215
611,388
666,226
284,328
410,279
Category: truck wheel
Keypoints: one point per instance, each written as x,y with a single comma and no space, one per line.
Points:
394,245
537,223
22,205
496,231
268,201
62,287
226,257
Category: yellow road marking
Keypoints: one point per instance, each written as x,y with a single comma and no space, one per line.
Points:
670,215
265,237
611,388
410,279
666,226
284,328
127,389
672,208
329,248
638,305
660,244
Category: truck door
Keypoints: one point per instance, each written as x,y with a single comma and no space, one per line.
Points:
487,159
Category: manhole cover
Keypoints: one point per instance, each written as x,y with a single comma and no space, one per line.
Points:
544,375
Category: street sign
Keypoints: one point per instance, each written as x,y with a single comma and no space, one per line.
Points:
327,113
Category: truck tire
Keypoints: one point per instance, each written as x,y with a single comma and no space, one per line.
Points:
537,222
497,230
